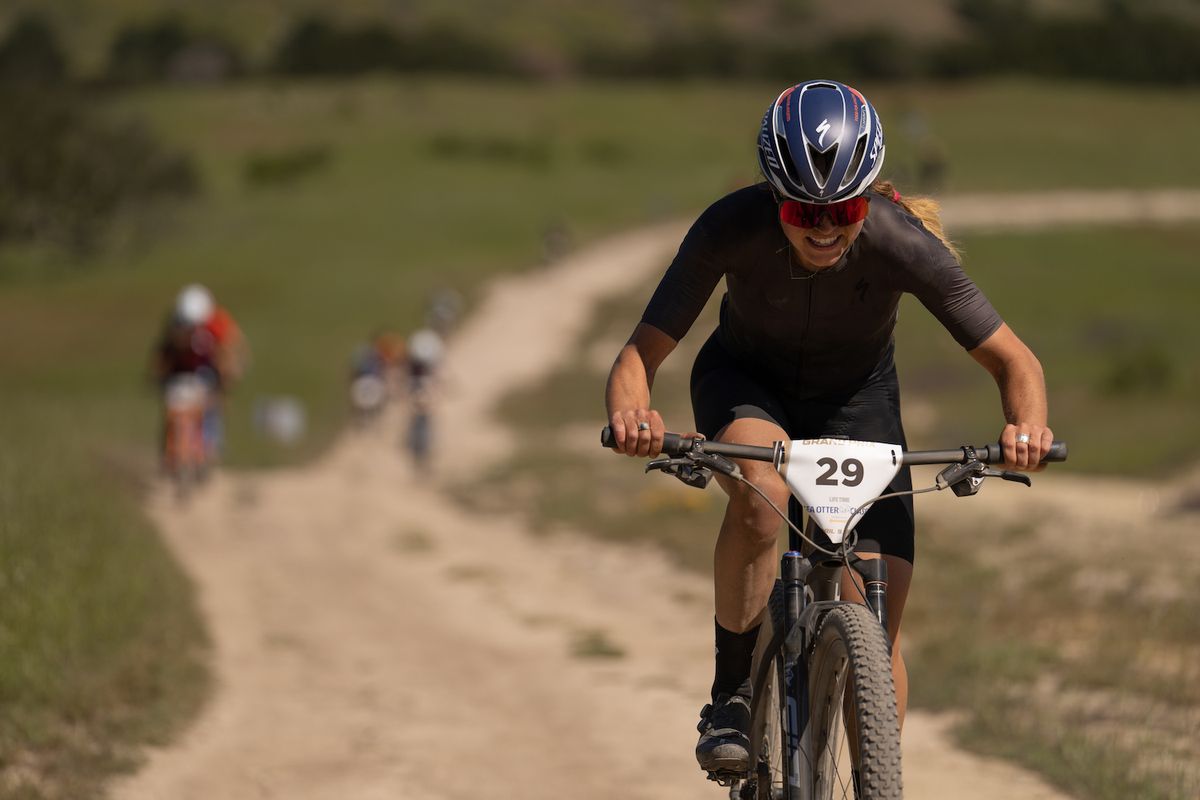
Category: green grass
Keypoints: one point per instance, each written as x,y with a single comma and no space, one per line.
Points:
1094,689
429,184
1110,313
102,646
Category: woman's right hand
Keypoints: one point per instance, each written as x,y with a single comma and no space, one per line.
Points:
637,428
637,431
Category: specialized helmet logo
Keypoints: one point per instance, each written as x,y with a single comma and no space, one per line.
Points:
822,129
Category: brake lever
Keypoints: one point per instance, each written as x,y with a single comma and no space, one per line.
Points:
684,469
966,479
665,464
1009,475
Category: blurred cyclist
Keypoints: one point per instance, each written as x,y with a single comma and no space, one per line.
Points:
425,353
444,310
374,374
200,338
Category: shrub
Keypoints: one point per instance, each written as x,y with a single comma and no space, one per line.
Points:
286,166
30,53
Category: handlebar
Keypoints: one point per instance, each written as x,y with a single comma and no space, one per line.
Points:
985,453
676,445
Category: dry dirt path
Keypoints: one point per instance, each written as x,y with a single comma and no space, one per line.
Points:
374,641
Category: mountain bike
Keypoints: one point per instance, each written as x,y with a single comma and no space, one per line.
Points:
823,721
185,457
419,437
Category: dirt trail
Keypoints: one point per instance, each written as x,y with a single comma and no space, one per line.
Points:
374,641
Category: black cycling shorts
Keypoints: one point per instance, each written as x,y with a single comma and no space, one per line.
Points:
724,391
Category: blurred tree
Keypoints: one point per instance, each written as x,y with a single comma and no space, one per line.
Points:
66,172
315,46
30,53
167,50
142,53
994,15
309,48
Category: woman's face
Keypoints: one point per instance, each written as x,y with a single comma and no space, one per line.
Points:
823,246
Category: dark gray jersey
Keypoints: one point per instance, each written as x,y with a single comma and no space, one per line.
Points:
821,333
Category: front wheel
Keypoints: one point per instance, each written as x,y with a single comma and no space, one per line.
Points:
853,738
768,753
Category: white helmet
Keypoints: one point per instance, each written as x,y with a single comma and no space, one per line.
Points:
425,347
194,305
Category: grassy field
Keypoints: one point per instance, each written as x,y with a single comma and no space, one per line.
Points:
1080,663
1107,311
418,185
102,648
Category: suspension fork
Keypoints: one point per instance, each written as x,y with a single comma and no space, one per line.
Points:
874,575
795,570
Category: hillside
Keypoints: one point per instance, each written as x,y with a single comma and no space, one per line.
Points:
544,29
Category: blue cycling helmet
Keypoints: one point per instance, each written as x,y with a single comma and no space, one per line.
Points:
820,142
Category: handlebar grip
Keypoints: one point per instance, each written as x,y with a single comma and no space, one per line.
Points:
677,445
673,443
606,437
994,453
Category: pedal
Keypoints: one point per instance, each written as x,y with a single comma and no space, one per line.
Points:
727,778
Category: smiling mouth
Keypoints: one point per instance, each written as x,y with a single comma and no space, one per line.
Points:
823,243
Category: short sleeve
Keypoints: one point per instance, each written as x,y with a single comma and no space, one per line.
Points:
687,285
928,270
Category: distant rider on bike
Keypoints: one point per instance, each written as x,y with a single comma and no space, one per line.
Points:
426,350
201,338
815,260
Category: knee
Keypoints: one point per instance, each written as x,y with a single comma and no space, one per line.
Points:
752,517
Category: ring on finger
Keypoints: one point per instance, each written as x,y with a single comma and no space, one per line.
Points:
1022,438
645,426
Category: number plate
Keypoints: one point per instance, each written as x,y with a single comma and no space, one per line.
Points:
833,477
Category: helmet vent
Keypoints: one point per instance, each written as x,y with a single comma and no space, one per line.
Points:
860,150
785,154
822,162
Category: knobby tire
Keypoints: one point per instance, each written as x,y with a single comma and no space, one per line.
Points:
850,676
849,669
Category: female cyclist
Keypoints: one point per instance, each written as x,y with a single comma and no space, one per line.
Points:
815,259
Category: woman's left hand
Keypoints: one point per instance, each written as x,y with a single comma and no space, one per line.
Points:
1025,445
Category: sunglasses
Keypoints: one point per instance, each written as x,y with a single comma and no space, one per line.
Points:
808,215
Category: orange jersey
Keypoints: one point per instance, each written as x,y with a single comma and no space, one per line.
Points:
224,330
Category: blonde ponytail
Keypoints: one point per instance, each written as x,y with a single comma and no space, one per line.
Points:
926,209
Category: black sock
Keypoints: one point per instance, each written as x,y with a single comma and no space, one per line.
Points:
734,653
